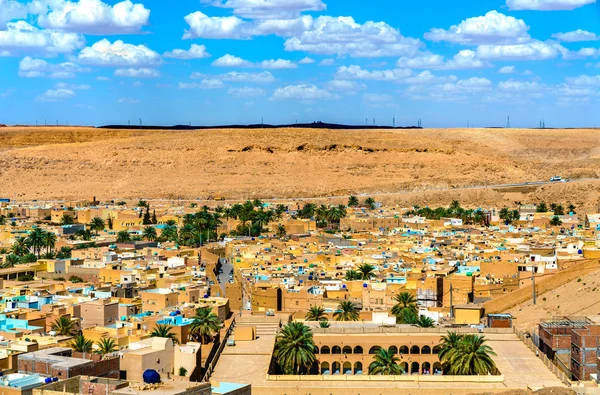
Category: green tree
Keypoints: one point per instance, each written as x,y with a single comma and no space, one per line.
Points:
110,221
106,345
542,208
81,344
147,220
316,313
161,330
75,279
324,324
205,325
471,357
149,233
123,236
346,311
424,322
64,253
49,241
20,247
555,221
154,220
385,362
67,220
353,201
366,271
295,348
370,202
142,203
169,233
352,275
281,231
97,225
10,260
183,371
35,240
448,345
405,302
63,326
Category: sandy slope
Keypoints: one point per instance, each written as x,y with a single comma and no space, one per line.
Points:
80,162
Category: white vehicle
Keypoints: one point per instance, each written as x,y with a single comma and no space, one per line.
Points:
557,179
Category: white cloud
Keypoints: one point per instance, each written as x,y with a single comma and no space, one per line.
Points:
535,50
32,68
20,36
207,83
231,61
465,59
492,28
327,62
280,27
307,60
137,73
235,76
11,10
54,95
195,52
345,85
74,87
246,91
507,70
585,52
376,98
585,80
271,9
576,36
103,53
427,77
520,86
128,100
354,72
234,61
343,36
547,5
302,92
203,26
102,78
96,17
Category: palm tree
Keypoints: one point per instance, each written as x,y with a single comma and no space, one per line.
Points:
204,325
97,225
20,247
36,240
472,357
352,275
169,233
555,221
353,201
81,344
10,260
324,324
149,233
106,345
161,330
63,326
424,322
67,220
366,271
449,343
295,348
385,362
123,236
347,311
49,241
405,304
316,313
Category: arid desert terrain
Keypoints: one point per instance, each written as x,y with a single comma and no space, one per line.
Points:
429,166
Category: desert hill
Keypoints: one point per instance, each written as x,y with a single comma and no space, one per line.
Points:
429,166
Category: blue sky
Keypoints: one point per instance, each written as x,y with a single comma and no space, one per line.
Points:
207,62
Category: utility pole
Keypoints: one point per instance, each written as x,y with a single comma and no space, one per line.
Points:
508,123
533,284
451,303
394,121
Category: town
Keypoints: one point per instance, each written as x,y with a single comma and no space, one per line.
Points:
170,297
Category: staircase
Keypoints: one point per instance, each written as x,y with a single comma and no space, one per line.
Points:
264,325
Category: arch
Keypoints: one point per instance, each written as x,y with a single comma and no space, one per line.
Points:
403,350
347,368
325,368
374,349
393,349
426,368
414,368
358,350
404,366
314,369
336,368
336,350
436,350
358,368
325,350
426,350
415,350
347,350
437,368
316,349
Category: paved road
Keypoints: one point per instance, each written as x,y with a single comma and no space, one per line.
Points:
224,278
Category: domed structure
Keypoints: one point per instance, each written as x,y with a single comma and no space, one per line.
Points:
151,376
